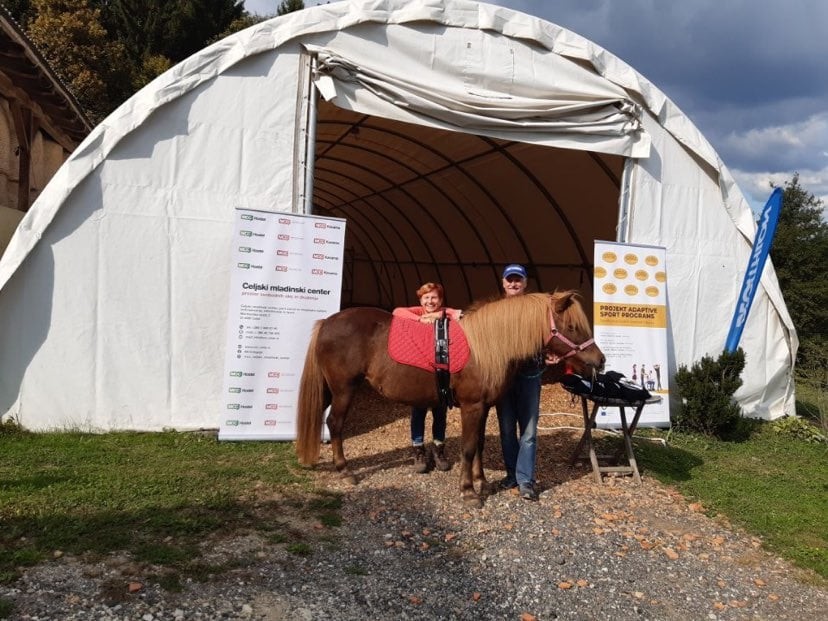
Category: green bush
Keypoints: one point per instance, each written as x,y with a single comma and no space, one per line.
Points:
706,392
798,428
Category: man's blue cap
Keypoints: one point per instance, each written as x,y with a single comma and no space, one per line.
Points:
514,269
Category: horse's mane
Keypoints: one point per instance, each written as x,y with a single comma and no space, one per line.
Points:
509,329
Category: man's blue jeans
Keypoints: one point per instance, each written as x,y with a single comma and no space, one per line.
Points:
438,425
518,411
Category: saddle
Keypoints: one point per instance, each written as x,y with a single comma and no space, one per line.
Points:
606,388
440,348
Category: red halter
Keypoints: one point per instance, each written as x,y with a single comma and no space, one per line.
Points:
573,348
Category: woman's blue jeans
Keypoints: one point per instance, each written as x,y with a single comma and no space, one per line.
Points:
438,425
517,416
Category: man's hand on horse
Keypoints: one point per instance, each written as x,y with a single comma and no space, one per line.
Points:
552,359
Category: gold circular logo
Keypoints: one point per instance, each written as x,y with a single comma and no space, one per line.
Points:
631,259
641,275
631,290
600,272
620,273
651,260
609,288
609,257
661,276
651,291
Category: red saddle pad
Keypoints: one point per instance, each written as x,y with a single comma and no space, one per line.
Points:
412,343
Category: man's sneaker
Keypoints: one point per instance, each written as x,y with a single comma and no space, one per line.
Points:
441,462
527,491
420,460
508,482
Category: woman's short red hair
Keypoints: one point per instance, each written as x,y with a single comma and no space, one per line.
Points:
428,288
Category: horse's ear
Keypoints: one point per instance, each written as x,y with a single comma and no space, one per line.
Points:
563,301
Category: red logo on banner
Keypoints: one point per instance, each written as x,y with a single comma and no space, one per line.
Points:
281,268
318,240
271,406
283,237
273,391
318,256
269,422
319,225
284,220
282,253
274,374
317,271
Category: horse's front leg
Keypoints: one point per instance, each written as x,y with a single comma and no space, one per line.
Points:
477,465
470,417
336,422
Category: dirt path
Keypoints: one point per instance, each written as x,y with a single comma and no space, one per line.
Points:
582,552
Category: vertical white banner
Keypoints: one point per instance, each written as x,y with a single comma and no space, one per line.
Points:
286,274
630,311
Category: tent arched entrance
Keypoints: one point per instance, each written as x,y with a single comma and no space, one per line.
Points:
425,203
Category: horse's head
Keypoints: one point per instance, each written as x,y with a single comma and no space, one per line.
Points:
570,338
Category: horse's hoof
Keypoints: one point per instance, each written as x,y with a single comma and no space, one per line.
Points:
349,477
473,502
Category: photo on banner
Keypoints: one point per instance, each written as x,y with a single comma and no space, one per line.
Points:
630,316
286,275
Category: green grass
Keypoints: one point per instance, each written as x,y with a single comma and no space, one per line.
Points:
153,495
772,484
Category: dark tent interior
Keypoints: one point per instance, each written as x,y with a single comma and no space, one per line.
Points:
425,204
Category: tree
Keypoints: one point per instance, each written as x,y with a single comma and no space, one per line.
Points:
800,258
20,10
105,50
189,24
245,21
289,6
72,39
174,30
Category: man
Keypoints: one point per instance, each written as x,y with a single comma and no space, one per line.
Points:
518,409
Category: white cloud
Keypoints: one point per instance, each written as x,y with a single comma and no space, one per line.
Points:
776,153
756,185
809,136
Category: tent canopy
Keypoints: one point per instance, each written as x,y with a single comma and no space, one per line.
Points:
454,137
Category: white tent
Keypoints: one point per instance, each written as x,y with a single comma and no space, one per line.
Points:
454,137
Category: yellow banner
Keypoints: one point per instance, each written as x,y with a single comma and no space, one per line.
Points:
635,315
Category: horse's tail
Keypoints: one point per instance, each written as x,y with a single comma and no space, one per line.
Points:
311,405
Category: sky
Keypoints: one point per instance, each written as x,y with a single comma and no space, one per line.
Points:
752,75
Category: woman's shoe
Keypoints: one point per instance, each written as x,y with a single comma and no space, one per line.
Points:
420,459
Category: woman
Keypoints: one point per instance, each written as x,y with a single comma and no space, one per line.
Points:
430,309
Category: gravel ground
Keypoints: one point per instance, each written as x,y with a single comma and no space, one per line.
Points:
408,549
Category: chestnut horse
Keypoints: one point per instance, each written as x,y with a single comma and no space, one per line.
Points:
352,345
